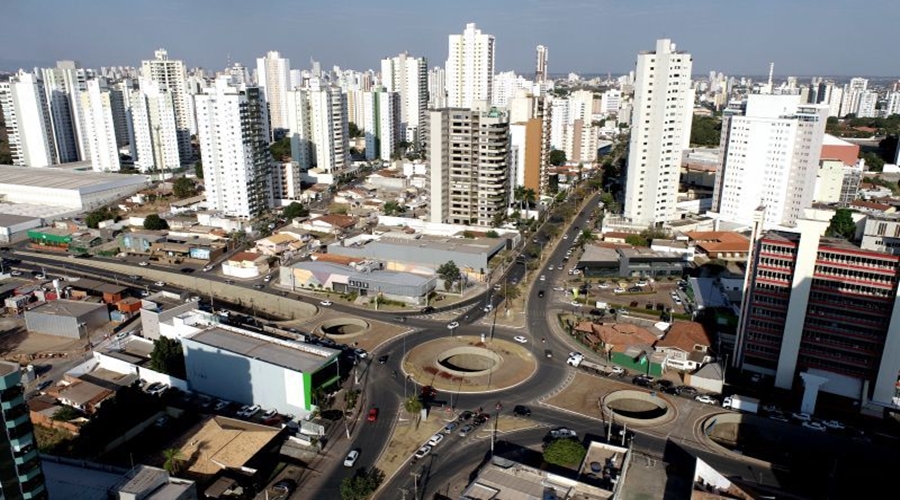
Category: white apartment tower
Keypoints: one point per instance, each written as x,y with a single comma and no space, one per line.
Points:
274,74
170,75
96,104
660,131
155,131
408,77
437,88
61,89
28,123
540,68
770,149
382,123
234,140
470,67
469,165
853,93
317,126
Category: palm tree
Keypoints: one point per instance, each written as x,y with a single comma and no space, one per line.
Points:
519,195
587,236
529,197
412,405
173,460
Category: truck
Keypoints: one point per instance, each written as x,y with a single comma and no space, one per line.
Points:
580,362
741,403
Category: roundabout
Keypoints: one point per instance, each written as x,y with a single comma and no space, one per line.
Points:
344,328
637,408
464,364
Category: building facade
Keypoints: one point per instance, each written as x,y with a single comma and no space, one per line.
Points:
822,314
28,123
273,75
171,76
660,131
469,68
469,155
234,140
21,476
540,67
154,128
96,104
383,128
408,77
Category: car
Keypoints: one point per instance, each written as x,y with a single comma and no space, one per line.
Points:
449,428
360,353
143,263
187,270
259,286
550,268
641,284
15,273
248,411
421,452
565,236
778,416
641,381
634,289
435,439
801,416
548,353
268,278
563,433
270,413
326,303
453,324
351,458
145,293
520,339
373,415
756,378
540,294
427,309
619,289
816,426
522,411
465,430
156,388
576,354
559,289
465,416
43,385
229,282
771,408
161,421
488,308
382,359
479,419
576,303
705,399
221,405
676,300
284,487
208,268
160,283
617,370
833,424
498,287
39,276
603,285
686,390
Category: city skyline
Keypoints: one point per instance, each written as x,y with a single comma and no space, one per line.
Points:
353,35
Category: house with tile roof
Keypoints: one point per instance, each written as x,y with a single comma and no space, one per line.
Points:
686,346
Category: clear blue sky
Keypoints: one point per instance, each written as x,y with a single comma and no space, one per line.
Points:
802,37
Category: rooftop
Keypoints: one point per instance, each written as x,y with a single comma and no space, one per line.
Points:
719,241
6,368
597,253
830,140
64,178
67,308
618,336
304,358
246,257
221,442
7,220
79,483
686,335
143,480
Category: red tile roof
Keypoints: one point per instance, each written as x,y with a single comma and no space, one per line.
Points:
685,335
618,337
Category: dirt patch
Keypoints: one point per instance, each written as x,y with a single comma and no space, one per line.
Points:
583,394
408,436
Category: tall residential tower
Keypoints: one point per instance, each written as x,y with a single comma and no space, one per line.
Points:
470,67
408,76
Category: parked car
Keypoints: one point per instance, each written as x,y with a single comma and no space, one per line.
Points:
248,411
284,487
816,426
221,405
270,413
619,289
801,416
642,381
161,421
833,424
617,370
156,388
143,263
421,452
435,439
449,428
160,283
326,303
427,309
351,458
562,433
465,416
208,268
360,353
778,416
465,430
522,411
705,399
686,390
520,339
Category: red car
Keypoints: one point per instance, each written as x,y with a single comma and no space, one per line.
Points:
373,415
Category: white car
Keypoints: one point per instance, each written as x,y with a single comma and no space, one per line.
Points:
576,354
833,424
565,236
641,284
143,263
816,426
619,290
326,303
576,303
543,278
361,354
602,285
550,268
576,272
801,416
270,413
351,458
421,452
559,289
617,370
562,433
498,287
488,308
453,325
248,411
207,269
268,278
520,339
145,293
703,398
15,273
436,439
160,283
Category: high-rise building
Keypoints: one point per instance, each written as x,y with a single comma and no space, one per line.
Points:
274,73
21,476
610,101
506,85
437,88
120,101
382,124
540,68
660,131
170,75
408,77
893,105
469,165
770,150
317,126
62,102
155,130
470,68
96,103
853,93
868,104
529,138
822,314
28,123
581,142
234,141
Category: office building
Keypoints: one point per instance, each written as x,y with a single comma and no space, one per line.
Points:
170,75
770,150
21,477
660,131
317,126
470,68
154,128
382,123
469,155
96,104
822,314
28,123
540,68
437,88
408,77
234,142
273,72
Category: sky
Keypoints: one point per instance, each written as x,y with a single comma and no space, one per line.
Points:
802,37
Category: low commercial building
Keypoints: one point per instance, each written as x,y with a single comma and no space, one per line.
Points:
14,228
686,346
278,244
722,245
84,480
630,262
364,279
66,187
330,224
246,265
249,368
221,444
139,242
50,239
177,249
66,318
162,307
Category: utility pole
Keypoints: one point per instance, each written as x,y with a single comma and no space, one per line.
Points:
415,476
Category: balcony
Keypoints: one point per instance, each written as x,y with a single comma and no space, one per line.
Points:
15,419
25,456
38,490
30,473
11,394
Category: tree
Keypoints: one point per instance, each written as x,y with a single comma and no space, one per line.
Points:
874,163
587,236
557,157
65,414
492,234
198,169
94,218
498,220
173,460
450,273
842,225
184,187
281,149
511,292
353,130
529,197
392,207
637,240
154,222
338,208
362,485
167,357
294,210
564,452
412,405
705,131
